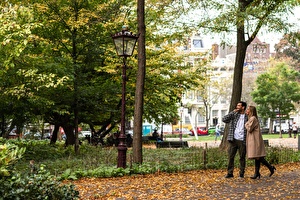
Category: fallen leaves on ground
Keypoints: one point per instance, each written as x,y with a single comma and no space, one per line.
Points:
200,184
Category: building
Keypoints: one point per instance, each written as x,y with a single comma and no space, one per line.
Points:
209,105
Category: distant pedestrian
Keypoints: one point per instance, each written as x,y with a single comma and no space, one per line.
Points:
155,136
218,132
295,129
255,144
236,137
290,132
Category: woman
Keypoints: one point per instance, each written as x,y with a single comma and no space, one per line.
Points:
255,144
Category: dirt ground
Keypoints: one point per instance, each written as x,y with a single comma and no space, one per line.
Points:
201,184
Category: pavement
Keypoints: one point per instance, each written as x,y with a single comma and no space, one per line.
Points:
196,185
279,142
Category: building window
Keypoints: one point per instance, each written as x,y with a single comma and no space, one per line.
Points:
223,113
199,97
201,119
214,113
187,120
197,43
190,95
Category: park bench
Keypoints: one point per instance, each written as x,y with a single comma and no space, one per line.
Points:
172,144
148,140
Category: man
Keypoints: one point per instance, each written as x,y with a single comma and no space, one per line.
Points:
236,137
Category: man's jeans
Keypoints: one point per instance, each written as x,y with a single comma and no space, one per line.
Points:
234,146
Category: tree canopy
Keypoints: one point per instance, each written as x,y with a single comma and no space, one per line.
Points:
59,56
242,19
277,92
288,47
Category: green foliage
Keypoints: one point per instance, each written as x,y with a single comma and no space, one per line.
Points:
9,154
288,47
276,91
39,150
101,162
277,155
217,159
49,47
38,186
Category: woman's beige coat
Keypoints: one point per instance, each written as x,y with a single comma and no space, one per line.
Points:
254,141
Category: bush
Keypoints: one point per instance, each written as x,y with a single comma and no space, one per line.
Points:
9,154
37,184
99,161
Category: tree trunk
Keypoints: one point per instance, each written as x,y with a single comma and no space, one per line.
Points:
69,131
54,134
140,81
241,48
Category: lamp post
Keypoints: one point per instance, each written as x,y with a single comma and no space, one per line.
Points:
124,43
181,112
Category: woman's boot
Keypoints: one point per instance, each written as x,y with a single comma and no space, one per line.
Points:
257,167
270,167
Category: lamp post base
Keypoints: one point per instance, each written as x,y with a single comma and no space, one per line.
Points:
122,156
122,150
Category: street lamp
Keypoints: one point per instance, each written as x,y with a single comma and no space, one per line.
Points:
124,43
181,112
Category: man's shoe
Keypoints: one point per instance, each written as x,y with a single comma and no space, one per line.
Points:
229,176
241,175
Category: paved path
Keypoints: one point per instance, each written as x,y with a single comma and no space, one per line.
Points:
200,184
280,142
196,185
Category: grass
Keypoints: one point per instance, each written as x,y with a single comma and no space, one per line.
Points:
276,136
100,161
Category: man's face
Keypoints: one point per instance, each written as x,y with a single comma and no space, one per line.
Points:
239,107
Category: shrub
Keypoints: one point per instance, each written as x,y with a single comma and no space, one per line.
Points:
34,186
9,154
101,161
38,186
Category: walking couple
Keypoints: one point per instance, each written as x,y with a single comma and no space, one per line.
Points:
245,136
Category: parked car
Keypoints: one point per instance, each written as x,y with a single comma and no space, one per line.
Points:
211,130
84,134
183,131
32,135
200,131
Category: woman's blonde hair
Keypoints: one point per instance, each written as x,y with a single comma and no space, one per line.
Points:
253,111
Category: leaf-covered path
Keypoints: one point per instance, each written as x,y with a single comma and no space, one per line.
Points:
202,184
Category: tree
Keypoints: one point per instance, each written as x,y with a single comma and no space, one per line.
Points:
288,47
158,85
61,42
211,90
68,44
244,19
140,82
276,92
20,79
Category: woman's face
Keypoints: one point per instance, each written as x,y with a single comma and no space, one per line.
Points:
248,111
